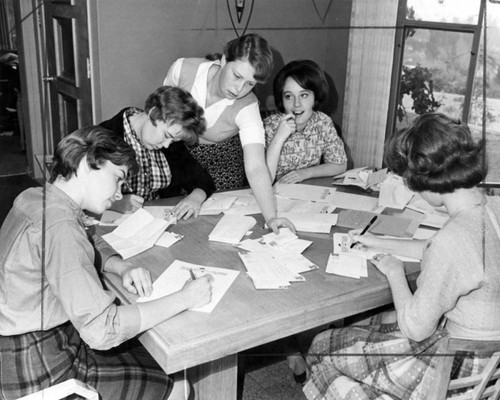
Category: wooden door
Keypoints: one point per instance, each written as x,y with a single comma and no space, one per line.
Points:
68,65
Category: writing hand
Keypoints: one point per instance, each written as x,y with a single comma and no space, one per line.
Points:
362,242
198,292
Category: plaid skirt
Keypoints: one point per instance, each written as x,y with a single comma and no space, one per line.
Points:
223,161
38,360
378,363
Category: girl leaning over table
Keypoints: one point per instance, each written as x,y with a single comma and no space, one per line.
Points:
459,283
232,148
56,320
301,141
171,118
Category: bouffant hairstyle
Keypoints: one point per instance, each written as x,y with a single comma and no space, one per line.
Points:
177,105
256,50
95,143
436,154
308,75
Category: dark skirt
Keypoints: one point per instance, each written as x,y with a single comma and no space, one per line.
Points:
223,161
38,360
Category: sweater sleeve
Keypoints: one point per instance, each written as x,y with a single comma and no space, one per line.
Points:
187,173
449,271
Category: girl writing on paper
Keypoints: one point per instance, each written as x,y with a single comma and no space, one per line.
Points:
171,117
459,283
56,320
301,141
232,147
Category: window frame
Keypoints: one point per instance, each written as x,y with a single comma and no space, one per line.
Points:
401,26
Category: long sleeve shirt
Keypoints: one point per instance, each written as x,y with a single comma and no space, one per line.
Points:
72,290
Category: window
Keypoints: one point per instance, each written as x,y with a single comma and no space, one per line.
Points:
440,48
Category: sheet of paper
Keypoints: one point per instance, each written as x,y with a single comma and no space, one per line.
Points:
294,246
136,234
175,276
265,272
343,264
306,222
299,191
351,201
394,193
231,228
393,226
217,204
162,212
167,239
275,240
354,219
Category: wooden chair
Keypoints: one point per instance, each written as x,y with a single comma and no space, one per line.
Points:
485,385
64,389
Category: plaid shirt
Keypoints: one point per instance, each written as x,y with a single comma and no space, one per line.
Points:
154,172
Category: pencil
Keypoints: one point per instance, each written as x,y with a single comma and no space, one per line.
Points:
365,229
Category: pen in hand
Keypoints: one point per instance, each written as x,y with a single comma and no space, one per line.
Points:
191,273
365,229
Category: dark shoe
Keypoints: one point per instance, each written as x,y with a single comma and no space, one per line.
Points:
300,379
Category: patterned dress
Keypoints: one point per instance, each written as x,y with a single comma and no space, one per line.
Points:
317,142
460,279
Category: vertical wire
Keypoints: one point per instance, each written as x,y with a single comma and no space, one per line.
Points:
485,52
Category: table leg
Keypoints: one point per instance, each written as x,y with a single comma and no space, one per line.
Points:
215,380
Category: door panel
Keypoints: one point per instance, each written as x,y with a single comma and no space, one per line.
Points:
67,65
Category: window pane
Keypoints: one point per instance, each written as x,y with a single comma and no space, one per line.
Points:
453,11
434,76
492,120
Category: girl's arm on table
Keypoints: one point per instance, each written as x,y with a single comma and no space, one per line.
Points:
401,247
260,181
316,171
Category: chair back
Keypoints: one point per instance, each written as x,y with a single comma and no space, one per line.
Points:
485,385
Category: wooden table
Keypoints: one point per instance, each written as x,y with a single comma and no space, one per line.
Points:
207,344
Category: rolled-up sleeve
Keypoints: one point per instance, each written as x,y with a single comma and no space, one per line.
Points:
250,125
78,291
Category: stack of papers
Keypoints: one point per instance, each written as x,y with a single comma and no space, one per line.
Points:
275,261
231,228
433,217
352,262
361,177
175,276
137,233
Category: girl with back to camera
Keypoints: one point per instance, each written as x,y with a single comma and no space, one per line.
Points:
302,142
458,287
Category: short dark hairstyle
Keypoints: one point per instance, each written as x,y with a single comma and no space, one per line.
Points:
256,50
437,154
308,75
98,145
176,104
